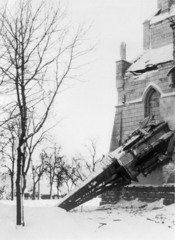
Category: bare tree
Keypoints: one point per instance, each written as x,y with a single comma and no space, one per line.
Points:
82,165
8,151
61,173
69,181
75,174
37,172
2,191
50,168
78,168
88,161
55,167
37,56
92,159
31,145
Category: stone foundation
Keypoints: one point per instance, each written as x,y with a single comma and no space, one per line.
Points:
146,193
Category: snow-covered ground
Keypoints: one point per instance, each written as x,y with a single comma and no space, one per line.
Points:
124,221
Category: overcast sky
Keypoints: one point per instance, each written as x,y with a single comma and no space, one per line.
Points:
87,110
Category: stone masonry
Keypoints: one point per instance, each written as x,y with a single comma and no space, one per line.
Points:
147,85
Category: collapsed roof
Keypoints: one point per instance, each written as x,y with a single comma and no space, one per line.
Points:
149,59
152,57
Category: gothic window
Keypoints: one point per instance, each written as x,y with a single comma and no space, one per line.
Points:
171,75
152,104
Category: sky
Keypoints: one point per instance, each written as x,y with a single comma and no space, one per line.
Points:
87,109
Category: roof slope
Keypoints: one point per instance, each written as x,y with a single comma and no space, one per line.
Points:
152,57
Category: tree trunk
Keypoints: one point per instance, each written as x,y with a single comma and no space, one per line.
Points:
12,186
24,183
38,189
51,191
34,191
58,189
18,189
58,192
12,177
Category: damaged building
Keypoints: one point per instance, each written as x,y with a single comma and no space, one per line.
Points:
146,87
141,161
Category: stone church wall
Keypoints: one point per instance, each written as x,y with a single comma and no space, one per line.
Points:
147,86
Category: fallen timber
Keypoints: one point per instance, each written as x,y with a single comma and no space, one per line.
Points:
148,147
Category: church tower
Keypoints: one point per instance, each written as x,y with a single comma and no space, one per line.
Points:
146,87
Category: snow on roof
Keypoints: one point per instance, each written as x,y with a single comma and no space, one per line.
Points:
155,13
152,57
163,16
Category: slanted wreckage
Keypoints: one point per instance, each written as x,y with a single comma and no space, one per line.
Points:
146,148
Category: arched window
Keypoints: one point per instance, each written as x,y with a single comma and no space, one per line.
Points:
152,104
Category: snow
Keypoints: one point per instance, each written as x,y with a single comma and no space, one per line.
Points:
125,220
153,57
163,16
154,14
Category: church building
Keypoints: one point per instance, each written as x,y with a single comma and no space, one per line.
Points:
146,87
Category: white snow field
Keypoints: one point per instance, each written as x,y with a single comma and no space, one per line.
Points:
132,220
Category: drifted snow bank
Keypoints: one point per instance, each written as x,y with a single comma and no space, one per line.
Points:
42,221
132,220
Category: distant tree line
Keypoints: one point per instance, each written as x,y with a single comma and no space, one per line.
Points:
56,169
